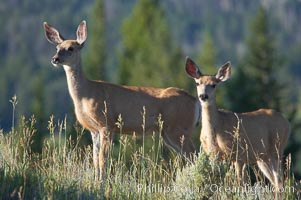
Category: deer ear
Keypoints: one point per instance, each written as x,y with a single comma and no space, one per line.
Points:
192,69
81,33
224,72
52,35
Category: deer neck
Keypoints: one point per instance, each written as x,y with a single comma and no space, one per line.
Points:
210,124
210,119
76,81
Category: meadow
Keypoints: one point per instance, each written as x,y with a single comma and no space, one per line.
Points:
138,168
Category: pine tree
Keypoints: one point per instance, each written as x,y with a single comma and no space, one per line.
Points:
207,58
261,81
257,77
148,57
262,63
95,58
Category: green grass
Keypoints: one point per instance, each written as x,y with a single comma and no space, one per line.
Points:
64,170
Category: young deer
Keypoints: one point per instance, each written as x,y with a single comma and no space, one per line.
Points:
246,138
98,104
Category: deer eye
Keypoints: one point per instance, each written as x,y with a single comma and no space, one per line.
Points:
197,83
70,49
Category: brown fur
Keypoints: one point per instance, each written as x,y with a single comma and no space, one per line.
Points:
244,138
98,104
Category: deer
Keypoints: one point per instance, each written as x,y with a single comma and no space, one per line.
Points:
99,104
257,137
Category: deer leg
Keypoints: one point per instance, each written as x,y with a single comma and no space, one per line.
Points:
277,173
240,170
96,148
180,143
267,170
188,148
105,142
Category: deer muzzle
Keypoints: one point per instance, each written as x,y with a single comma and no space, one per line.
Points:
55,60
204,97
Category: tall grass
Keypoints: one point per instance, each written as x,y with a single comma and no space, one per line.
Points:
64,170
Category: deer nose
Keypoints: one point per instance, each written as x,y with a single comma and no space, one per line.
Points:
55,60
203,97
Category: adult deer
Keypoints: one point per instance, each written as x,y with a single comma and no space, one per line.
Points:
98,104
245,138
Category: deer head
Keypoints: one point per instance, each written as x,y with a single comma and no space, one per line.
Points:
207,84
68,51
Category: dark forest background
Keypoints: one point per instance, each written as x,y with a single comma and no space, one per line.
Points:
145,42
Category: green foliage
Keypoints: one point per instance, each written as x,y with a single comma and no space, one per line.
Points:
148,56
94,61
261,63
208,56
25,58
196,178
258,76
210,179
64,170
